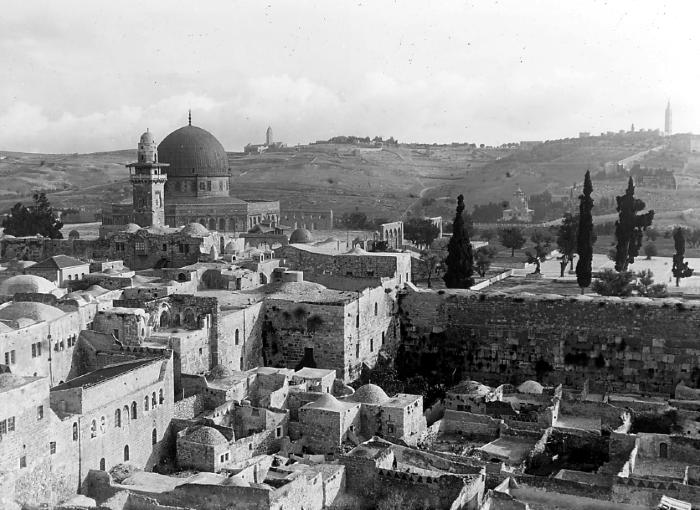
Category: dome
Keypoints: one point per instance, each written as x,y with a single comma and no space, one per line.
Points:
131,228
26,283
301,235
230,248
532,387
206,435
327,402
369,394
473,388
29,310
220,372
195,229
147,138
191,148
74,234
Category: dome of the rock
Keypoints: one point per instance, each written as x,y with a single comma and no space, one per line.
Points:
192,151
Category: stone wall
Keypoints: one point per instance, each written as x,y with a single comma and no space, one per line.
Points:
495,338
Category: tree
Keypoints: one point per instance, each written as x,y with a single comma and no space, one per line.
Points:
566,240
650,250
483,257
420,231
652,234
459,253
629,228
430,260
646,287
541,239
38,218
585,238
614,283
511,237
487,234
680,268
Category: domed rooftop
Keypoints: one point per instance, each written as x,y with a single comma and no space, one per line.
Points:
195,229
190,151
29,310
26,283
369,394
473,388
532,387
230,248
147,137
301,236
131,228
327,402
206,435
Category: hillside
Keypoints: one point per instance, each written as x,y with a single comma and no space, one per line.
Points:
422,179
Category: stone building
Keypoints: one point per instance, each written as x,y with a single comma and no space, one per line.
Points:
186,179
392,234
327,422
60,269
119,413
518,210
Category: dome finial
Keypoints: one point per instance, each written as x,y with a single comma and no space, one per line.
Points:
189,117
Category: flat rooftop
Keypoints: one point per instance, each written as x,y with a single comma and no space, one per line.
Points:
104,374
513,450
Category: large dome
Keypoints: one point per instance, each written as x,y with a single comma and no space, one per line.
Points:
193,151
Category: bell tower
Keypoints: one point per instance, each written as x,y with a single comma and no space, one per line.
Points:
148,178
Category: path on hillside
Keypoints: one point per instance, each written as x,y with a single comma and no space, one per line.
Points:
421,194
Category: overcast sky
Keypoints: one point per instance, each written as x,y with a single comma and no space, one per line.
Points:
91,76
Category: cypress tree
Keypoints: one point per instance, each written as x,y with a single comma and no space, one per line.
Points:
459,253
680,268
584,240
629,228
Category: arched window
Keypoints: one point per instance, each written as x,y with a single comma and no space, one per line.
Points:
164,319
237,336
103,424
663,451
102,464
145,403
118,418
75,431
376,309
93,428
126,452
154,437
133,410
153,400
125,414
161,399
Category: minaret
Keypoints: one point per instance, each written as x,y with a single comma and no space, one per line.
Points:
668,124
268,137
148,184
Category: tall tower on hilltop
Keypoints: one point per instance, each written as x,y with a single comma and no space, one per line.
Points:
268,137
148,178
668,124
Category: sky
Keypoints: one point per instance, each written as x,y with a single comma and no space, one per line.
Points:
82,76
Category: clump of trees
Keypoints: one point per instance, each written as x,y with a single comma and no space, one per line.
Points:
460,258
511,237
483,257
420,231
627,283
38,218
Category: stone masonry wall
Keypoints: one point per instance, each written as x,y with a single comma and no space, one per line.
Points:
631,344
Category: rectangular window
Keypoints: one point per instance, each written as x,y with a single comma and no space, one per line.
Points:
278,432
23,461
7,358
165,247
40,413
52,447
12,356
208,185
3,427
371,345
357,351
201,185
11,424
33,350
38,349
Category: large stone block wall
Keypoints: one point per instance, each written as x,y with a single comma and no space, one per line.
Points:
239,335
632,344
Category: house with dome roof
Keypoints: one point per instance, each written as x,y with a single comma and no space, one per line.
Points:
186,179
